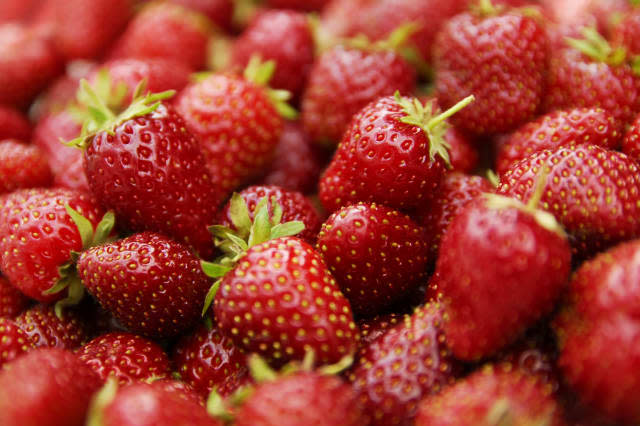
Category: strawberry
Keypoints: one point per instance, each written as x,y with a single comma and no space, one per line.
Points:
22,166
303,5
624,32
236,121
500,56
376,254
180,389
220,12
463,152
631,140
125,356
574,126
293,205
12,301
592,192
166,30
46,387
13,125
455,192
344,80
394,153
206,359
492,396
13,341
372,328
396,370
150,283
46,329
530,260
18,10
283,36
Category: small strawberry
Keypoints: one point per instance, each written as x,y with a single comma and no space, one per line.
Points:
125,356
150,283
593,192
492,396
372,328
631,140
500,56
13,341
46,387
520,264
376,254
12,301
46,329
14,125
574,126
206,359
393,153
399,368
220,12
22,166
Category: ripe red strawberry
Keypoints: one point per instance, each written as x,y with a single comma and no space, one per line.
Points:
217,110
125,356
12,301
38,236
46,387
303,5
371,329
14,125
280,301
492,396
624,32
592,192
45,328
463,153
375,253
455,192
344,80
22,166
520,264
574,126
151,284
13,341
166,30
285,37
294,206
631,140
399,368
206,359
500,56
220,12
179,388
394,153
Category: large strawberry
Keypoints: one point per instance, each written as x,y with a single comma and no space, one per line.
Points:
376,254
22,166
393,153
14,342
498,55
47,329
12,301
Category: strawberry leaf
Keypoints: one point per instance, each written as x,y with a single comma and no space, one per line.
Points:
85,228
239,214
211,294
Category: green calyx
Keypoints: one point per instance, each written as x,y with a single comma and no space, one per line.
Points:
69,279
434,126
486,9
598,48
248,233
100,401
260,73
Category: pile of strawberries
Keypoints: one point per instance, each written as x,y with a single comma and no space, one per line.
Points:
319,212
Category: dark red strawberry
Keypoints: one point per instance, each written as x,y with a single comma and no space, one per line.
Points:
285,37
45,328
576,126
126,357
499,56
492,396
22,166
14,125
206,359
151,284
12,301
399,368
463,152
46,387
631,140
394,153
593,192
13,341
624,32
371,329
220,12
376,254
521,261
304,5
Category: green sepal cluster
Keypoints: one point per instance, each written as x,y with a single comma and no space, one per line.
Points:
248,233
260,73
486,9
68,275
434,126
598,48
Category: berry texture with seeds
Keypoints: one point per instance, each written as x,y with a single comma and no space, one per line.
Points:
13,341
45,328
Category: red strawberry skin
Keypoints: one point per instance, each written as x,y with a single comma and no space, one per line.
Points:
152,174
46,387
33,251
45,329
13,124
22,166
343,81
280,301
150,283
376,254
501,60
303,5
463,151
624,33
305,398
372,328
518,271
220,12
399,368
13,341
125,356
631,141
592,192
574,126
12,301
381,160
